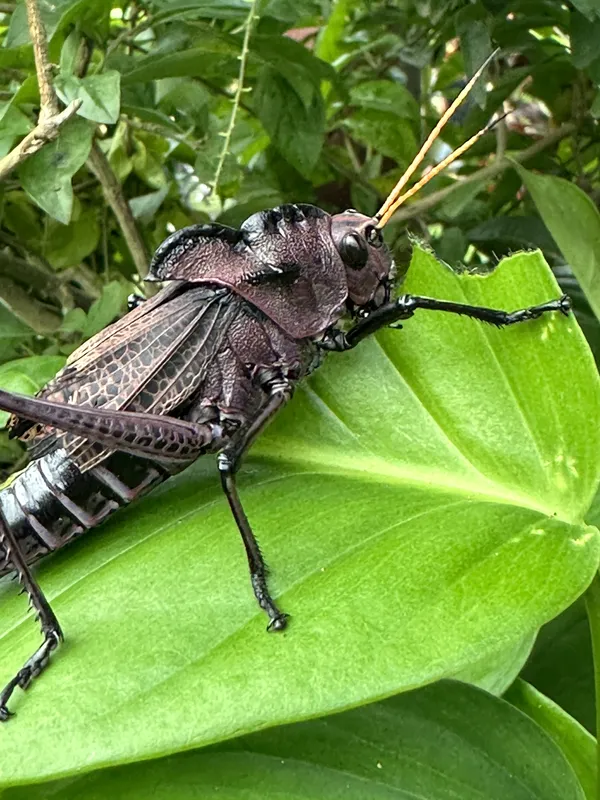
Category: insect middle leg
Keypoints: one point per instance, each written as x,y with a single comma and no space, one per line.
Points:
228,462
50,628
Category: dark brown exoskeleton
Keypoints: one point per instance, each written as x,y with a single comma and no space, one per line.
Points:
201,368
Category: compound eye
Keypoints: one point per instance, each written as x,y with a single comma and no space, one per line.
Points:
354,251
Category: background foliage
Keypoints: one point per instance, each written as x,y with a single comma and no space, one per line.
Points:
336,97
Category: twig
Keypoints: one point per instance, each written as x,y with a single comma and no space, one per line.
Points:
50,118
98,164
484,174
7,8
43,67
42,133
501,134
252,15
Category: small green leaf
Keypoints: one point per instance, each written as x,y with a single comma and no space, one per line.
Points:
577,745
68,245
101,94
13,333
51,13
107,308
296,128
145,206
574,222
585,40
502,235
27,376
445,741
383,130
68,53
46,176
329,44
13,124
187,62
590,8
38,369
14,381
476,46
392,98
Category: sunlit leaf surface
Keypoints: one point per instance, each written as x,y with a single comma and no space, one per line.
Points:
420,503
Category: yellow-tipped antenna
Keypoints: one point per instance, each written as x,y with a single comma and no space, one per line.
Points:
395,199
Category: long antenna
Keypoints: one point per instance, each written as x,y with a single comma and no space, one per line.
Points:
395,198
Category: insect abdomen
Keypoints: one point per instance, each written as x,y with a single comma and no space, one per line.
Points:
52,502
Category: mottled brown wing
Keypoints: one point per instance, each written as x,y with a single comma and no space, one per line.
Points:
147,362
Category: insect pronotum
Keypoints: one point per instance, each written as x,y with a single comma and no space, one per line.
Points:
202,367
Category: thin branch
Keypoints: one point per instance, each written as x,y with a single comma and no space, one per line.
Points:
50,118
7,8
484,174
42,133
43,67
252,15
501,133
98,164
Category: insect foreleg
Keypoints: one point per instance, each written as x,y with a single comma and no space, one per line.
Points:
406,305
229,461
50,628
161,438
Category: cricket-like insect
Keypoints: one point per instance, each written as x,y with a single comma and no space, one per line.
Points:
201,368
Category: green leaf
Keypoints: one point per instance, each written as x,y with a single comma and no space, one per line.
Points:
55,15
296,127
68,245
444,741
38,369
383,130
101,94
187,62
46,176
13,123
497,671
27,376
575,742
392,98
329,46
420,505
574,222
145,206
285,55
585,40
561,664
290,10
224,9
107,308
476,46
13,333
590,8
503,234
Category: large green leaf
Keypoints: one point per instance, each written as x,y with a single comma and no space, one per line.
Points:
421,505
576,743
445,741
561,664
574,222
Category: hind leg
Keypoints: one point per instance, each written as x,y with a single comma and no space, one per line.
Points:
50,628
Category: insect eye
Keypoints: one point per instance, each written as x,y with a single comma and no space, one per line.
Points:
374,236
354,251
